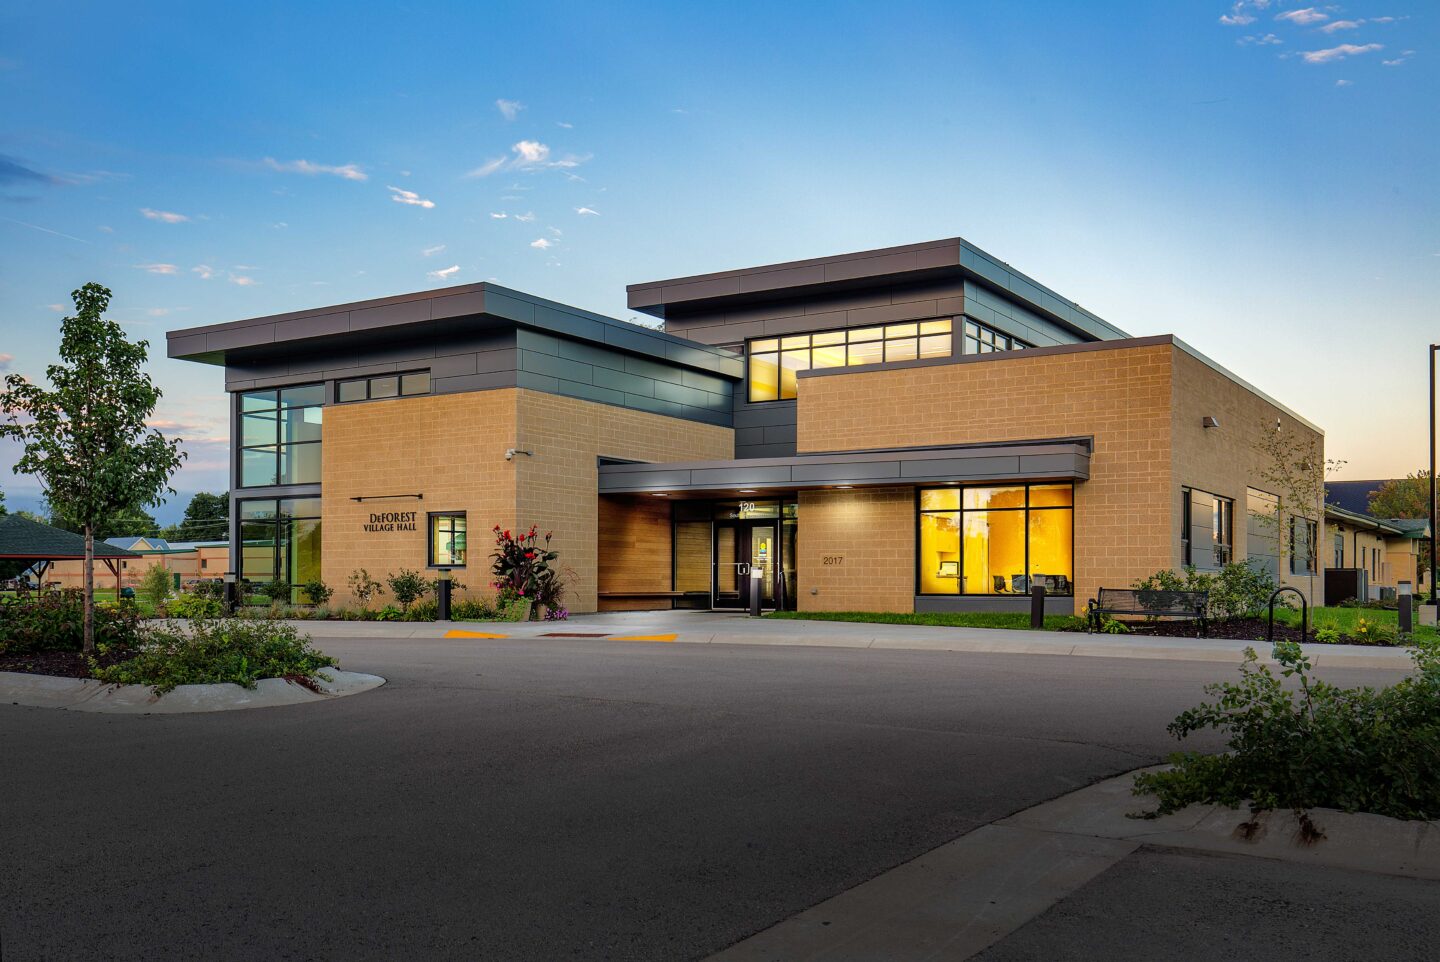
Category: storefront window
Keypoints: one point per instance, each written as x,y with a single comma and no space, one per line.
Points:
280,541
447,540
280,435
996,540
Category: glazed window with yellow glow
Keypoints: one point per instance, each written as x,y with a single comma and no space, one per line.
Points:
775,362
996,539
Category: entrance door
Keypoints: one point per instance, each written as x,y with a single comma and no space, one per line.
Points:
742,547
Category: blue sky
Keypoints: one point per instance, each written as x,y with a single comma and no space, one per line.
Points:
1256,178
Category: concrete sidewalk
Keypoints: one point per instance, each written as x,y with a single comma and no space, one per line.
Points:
717,628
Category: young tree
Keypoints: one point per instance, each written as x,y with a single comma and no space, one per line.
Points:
85,437
1293,468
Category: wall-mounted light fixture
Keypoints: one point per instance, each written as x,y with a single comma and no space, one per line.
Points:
511,452
1208,422
388,497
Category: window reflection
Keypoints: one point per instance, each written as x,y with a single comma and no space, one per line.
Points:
775,362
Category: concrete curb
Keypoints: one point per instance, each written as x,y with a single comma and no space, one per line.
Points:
966,895
733,630
86,694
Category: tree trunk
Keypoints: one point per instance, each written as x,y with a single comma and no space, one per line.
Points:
89,590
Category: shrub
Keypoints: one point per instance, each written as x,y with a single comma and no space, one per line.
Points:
224,650
208,588
472,609
1355,749
194,606
1237,590
155,585
1367,632
427,609
55,622
1111,626
364,587
1327,635
278,591
318,592
408,587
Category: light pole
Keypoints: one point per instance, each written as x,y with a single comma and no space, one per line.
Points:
1434,563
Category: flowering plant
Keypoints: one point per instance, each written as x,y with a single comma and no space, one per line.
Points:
523,568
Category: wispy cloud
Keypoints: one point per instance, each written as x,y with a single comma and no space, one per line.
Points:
164,216
158,268
528,155
1404,56
204,270
582,211
6,360
310,168
45,230
1236,19
61,308
403,196
1303,16
243,280
432,251
509,109
561,123
1333,54
14,172
1264,41
1341,25
542,243
1344,83
526,217
444,272
499,215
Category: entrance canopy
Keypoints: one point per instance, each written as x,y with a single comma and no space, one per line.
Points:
1065,460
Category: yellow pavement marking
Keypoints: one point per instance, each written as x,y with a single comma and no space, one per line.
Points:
645,638
457,633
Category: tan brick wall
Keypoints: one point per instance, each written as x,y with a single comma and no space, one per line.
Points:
868,534
1121,397
558,486
450,447
1225,460
634,544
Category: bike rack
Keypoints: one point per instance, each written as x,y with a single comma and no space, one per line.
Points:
1304,614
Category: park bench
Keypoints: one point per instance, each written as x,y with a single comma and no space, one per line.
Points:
1149,604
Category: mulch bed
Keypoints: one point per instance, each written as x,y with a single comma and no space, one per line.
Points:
62,664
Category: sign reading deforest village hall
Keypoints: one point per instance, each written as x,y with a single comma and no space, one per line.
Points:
391,521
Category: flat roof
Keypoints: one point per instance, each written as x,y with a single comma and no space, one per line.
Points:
465,307
949,257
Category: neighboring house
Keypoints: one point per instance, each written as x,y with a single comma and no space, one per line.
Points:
1384,552
188,561
915,428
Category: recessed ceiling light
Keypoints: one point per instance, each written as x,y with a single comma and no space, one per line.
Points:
844,486
747,490
660,494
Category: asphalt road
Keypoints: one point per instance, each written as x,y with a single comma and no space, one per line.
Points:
557,799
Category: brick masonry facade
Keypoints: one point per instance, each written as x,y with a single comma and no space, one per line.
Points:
452,449
1142,405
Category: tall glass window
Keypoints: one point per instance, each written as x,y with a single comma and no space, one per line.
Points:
280,541
996,540
447,539
775,361
983,339
280,436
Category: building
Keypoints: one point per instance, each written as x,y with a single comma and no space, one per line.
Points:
1369,557
914,428
187,561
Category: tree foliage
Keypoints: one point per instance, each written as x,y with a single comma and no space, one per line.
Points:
85,437
207,518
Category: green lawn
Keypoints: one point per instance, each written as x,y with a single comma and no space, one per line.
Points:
1344,619
947,619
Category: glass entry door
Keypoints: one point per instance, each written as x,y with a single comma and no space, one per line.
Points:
742,547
